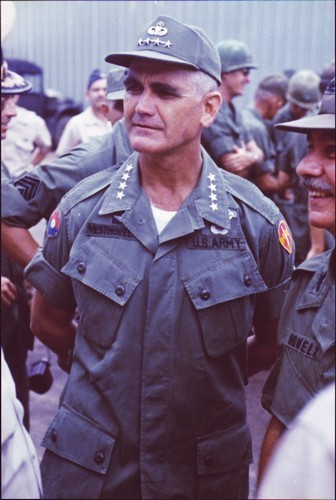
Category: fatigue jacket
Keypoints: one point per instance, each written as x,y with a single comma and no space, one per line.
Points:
306,360
155,405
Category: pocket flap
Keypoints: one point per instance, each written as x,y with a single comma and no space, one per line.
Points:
224,280
100,270
225,450
78,439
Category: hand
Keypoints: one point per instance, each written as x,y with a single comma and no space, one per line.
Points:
238,161
8,292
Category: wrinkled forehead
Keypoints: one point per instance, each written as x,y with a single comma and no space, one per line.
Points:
148,66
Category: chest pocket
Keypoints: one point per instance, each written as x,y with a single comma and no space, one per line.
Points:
103,286
223,294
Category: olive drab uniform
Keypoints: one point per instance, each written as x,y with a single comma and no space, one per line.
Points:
306,362
259,129
226,131
155,406
35,194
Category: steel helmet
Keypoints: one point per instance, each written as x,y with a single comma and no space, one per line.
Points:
303,89
234,55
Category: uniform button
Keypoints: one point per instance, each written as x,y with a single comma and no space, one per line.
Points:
99,457
247,280
205,294
141,220
53,436
208,460
120,290
81,267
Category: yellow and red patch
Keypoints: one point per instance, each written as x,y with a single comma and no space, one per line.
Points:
285,236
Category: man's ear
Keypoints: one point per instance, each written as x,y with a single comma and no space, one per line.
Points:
212,104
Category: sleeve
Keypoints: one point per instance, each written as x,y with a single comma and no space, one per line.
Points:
34,195
276,263
44,271
218,139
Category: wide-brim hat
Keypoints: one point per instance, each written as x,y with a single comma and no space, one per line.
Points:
324,120
165,39
12,83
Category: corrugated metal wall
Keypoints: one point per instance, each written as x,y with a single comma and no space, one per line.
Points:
70,38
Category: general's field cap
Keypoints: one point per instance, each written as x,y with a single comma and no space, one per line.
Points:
168,40
325,120
115,84
95,75
12,83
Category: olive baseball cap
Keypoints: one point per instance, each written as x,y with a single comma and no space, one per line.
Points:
115,90
165,39
324,120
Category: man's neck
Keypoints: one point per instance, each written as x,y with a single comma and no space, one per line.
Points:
168,180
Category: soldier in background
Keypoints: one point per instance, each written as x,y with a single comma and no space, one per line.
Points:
27,143
270,96
228,140
92,122
113,107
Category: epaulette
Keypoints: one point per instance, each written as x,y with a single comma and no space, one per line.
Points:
88,187
248,192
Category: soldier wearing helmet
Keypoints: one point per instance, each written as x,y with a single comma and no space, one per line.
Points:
228,141
303,98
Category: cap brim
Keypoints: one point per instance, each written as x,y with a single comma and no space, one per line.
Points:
115,96
125,58
14,84
304,125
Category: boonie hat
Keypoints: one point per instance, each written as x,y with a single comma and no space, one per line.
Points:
325,120
115,84
234,55
276,84
304,89
168,40
95,75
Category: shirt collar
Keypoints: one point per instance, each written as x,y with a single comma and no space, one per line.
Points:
209,197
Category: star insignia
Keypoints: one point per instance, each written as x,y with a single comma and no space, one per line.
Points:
168,44
212,187
147,41
140,41
125,176
213,197
120,195
212,177
122,185
156,41
129,167
214,206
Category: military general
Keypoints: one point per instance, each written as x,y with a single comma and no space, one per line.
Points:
170,262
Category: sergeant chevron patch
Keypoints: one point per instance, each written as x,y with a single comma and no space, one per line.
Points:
27,186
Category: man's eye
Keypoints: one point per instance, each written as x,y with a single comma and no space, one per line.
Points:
330,151
132,88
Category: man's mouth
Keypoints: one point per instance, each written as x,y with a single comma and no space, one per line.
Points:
319,194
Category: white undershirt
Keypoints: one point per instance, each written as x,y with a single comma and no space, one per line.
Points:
162,217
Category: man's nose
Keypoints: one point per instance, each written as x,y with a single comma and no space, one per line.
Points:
144,103
310,165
